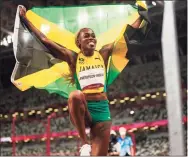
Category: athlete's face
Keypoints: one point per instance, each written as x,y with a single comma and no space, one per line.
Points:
87,41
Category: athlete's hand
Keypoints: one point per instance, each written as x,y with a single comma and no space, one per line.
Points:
22,11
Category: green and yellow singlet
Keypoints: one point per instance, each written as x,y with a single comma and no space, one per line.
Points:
90,73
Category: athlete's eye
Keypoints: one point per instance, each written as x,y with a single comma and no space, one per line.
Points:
86,35
93,35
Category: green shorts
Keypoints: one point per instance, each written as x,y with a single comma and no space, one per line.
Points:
99,111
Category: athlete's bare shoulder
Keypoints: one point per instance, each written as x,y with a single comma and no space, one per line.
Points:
105,51
72,59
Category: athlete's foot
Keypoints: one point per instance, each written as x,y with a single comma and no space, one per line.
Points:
85,150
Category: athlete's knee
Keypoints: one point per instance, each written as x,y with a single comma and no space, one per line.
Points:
76,99
76,96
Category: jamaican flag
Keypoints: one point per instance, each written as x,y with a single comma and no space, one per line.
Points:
36,67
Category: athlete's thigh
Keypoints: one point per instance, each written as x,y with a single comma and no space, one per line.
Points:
87,117
100,136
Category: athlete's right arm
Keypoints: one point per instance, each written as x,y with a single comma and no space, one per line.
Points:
56,50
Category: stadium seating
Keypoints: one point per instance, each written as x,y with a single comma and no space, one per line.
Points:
135,79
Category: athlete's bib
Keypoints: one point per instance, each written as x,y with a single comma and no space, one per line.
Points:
91,73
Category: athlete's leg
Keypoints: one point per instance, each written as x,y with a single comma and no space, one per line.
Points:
100,134
78,111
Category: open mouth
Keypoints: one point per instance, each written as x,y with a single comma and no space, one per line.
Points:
91,44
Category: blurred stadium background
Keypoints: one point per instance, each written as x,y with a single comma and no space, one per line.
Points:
35,122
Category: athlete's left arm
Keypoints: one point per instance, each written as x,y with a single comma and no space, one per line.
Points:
106,50
130,31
